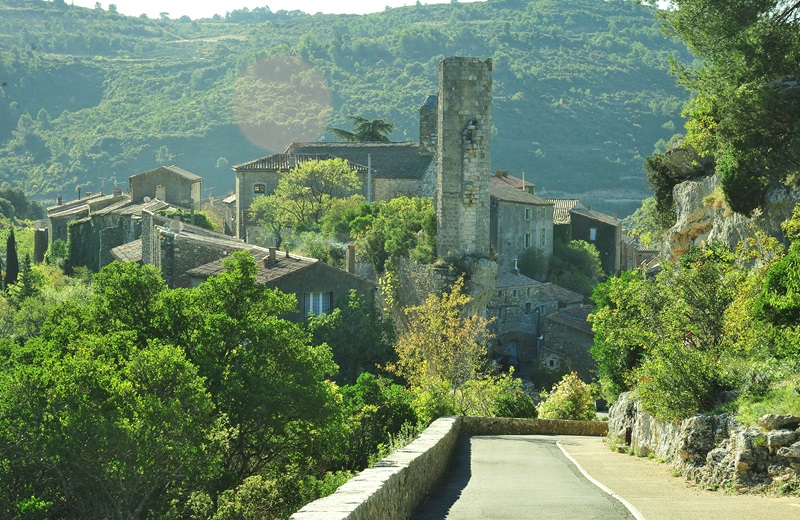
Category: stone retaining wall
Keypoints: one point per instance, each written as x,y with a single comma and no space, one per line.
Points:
715,451
396,485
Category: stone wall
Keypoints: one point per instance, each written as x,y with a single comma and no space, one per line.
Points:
396,485
715,451
464,155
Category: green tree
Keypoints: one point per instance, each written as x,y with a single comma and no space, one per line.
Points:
263,372
745,111
569,399
92,435
576,266
306,193
397,227
359,336
366,130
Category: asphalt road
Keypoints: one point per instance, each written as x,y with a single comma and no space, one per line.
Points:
512,477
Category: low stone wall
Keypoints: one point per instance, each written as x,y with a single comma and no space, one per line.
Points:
396,485
507,426
715,451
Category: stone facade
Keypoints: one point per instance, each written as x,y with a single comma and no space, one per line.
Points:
604,231
170,184
568,338
515,309
715,451
464,155
520,221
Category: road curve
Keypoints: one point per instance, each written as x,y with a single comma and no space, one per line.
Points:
512,477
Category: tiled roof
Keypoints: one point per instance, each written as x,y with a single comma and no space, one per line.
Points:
573,317
506,278
264,274
503,191
551,291
596,215
561,209
174,169
388,160
283,162
78,204
503,178
130,252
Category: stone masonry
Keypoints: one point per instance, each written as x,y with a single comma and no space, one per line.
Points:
464,154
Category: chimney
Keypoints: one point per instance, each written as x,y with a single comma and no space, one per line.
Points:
286,249
501,173
118,192
59,200
350,259
272,258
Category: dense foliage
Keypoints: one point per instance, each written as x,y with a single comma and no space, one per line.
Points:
574,265
745,112
714,329
581,88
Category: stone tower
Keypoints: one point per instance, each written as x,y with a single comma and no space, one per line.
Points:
464,155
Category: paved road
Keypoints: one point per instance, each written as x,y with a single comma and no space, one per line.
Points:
517,477
528,477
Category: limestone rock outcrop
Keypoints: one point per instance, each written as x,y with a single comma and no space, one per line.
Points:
702,216
715,451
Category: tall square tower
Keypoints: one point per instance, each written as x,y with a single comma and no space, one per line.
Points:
464,156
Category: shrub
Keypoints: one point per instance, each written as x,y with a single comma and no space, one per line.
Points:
570,399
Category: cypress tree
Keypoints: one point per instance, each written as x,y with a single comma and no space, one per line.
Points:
12,261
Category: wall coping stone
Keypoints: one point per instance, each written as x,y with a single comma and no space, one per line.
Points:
397,484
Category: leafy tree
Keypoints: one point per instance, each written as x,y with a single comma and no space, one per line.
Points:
366,130
359,336
569,399
397,227
443,357
305,194
576,266
376,409
258,367
89,436
745,112
12,261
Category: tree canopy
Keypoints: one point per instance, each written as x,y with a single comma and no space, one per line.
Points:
366,130
746,106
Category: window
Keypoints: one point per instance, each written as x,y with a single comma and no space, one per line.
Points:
543,238
527,213
317,303
544,213
528,307
593,234
514,293
259,188
527,240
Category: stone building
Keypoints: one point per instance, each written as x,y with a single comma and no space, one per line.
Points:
517,313
317,286
604,231
260,177
464,156
519,220
170,184
386,170
568,339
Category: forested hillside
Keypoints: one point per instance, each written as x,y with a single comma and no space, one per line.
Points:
582,91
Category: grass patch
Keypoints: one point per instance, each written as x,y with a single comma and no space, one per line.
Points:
783,397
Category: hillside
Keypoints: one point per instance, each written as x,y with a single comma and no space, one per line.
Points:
581,89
